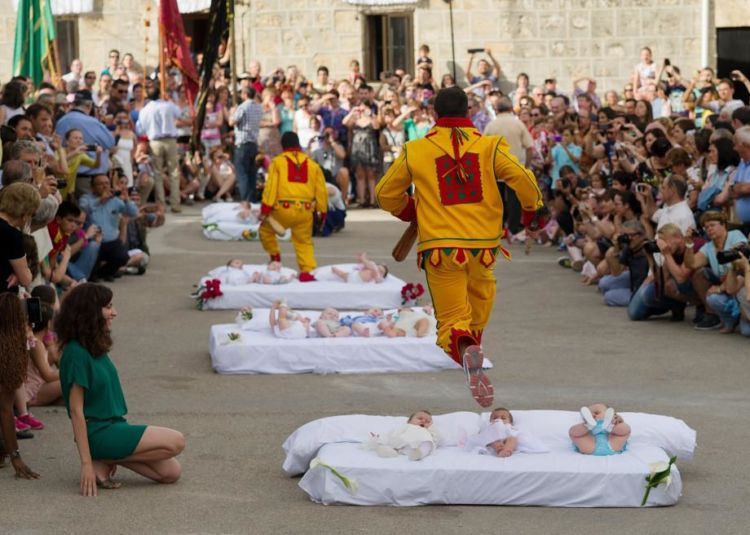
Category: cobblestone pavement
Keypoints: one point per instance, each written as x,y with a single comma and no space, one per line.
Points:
554,344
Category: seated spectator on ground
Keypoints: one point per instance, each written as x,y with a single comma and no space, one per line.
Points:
710,274
104,210
628,265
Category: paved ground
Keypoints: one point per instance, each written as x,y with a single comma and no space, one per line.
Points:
555,346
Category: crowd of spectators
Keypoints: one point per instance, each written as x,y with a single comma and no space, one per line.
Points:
647,186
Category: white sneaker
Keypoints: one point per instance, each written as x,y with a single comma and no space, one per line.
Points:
588,418
609,416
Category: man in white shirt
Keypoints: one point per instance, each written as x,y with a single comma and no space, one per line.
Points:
675,209
76,70
521,144
158,120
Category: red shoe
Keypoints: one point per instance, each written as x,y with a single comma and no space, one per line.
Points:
306,276
275,258
479,384
32,422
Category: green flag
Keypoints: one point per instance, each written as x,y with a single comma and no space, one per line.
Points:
35,29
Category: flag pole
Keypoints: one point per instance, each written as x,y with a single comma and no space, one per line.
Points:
55,66
233,53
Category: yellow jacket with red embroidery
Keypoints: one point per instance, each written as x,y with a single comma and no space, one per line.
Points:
456,205
293,176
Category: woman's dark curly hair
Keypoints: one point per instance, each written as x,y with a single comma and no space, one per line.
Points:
13,353
81,318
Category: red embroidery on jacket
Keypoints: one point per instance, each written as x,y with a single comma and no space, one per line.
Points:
455,188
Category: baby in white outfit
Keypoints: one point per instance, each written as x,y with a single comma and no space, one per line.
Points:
271,275
234,274
287,324
416,439
410,322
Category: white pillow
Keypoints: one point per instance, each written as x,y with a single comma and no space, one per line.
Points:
551,427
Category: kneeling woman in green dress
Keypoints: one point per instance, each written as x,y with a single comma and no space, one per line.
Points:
95,402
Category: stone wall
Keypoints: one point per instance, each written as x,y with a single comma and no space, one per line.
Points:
562,38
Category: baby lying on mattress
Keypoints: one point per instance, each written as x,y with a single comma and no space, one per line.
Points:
235,275
365,272
416,439
501,437
603,431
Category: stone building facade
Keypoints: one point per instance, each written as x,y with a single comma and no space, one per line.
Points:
563,38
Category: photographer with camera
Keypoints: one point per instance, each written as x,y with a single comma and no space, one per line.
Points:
330,156
104,209
727,302
670,288
15,333
628,265
711,279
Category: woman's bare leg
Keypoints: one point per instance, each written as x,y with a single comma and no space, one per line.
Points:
226,187
370,173
47,395
361,175
166,471
157,444
582,438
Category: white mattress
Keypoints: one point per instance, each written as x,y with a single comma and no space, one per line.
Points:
222,222
453,476
327,291
560,478
259,351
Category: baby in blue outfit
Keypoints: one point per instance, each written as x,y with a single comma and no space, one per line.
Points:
365,325
603,432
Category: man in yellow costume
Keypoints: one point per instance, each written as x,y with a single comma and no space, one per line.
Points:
295,188
459,213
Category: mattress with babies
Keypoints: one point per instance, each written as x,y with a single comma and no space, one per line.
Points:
221,221
339,470
327,291
255,350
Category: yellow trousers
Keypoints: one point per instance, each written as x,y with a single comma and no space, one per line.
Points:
298,217
462,286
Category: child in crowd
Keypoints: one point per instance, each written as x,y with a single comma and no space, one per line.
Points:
603,432
329,325
367,271
271,275
410,322
416,439
287,324
365,325
42,384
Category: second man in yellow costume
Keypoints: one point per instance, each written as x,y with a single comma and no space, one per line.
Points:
295,188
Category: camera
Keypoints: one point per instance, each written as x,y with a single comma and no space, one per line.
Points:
650,247
62,183
623,240
475,50
91,148
725,257
33,310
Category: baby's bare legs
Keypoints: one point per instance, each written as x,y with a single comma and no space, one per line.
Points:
422,327
388,328
322,329
266,279
284,321
340,273
342,332
582,438
619,436
360,329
